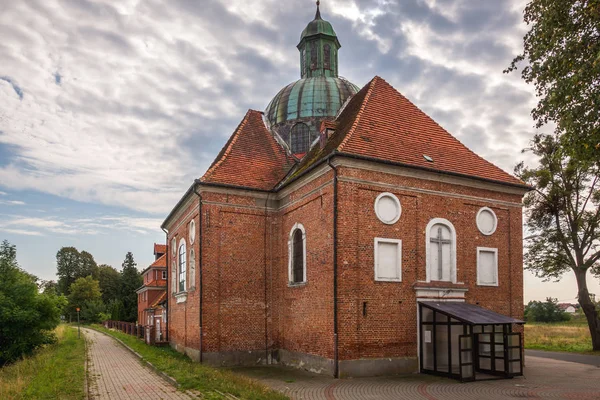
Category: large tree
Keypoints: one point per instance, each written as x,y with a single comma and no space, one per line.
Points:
131,280
27,317
110,283
563,219
84,290
72,265
562,60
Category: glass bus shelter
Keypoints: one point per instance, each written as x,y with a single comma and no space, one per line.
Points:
468,342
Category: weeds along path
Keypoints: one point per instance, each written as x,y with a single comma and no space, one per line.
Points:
115,373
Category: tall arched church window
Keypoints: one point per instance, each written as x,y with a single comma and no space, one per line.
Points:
327,56
300,138
314,58
441,251
182,266
174,277
297,254
303,62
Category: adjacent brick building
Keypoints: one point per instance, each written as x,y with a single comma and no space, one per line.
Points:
328,220
152,294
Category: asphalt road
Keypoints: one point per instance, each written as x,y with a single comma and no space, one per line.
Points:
570,357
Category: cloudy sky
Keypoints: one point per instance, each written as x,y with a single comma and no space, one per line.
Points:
110,109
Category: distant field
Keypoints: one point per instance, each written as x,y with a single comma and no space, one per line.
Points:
558,337
55,372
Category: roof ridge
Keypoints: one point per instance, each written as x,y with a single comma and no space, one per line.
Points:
454,137
359,114
227,147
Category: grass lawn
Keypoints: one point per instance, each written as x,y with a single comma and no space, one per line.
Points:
559,337
211,382
56,371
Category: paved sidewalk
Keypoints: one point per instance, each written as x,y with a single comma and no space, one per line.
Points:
115,373
544,379
588,359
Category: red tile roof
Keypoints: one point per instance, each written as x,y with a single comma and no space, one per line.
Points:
379,123
160,299
161,262
160,248
251,158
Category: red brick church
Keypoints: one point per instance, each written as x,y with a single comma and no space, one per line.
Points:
344,231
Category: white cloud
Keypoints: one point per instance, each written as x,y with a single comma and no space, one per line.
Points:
12,202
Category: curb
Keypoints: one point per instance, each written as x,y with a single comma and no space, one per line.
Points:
148,364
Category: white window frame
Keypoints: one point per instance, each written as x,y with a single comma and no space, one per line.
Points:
179,265
174,277
291,255
192,231
397,242
164,275
395,200
482,209
489,250
431,223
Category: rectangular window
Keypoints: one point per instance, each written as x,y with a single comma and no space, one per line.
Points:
487,266
388,260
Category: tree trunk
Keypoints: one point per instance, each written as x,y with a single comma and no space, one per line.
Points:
589,309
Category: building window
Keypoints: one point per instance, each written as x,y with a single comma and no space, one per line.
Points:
388,208
192,232
314,58
300,137
173,246
164,274
388,260
441,250
487,266
192,268
182,266
297,254
303,62
487,222
327,56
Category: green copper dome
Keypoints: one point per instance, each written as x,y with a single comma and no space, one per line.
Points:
296,112
309,97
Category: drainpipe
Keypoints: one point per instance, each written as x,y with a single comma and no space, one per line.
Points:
265,275
336,372
200,291
167,297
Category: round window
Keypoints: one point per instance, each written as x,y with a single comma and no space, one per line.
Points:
388,208
486,221
192,231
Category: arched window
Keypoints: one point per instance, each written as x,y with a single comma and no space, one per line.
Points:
300,138
441,251
182,266
314,58
327,56
303,62
192,268
297,254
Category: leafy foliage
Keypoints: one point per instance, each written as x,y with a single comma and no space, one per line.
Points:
27,318
84,290
71,265
547,311
110,283
131,280
562,51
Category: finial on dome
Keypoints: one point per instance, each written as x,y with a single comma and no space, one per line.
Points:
318,14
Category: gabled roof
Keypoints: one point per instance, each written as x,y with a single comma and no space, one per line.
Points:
251,158
380,124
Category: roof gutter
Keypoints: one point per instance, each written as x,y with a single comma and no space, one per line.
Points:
200,291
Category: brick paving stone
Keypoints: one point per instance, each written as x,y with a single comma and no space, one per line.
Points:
544,379
115,373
